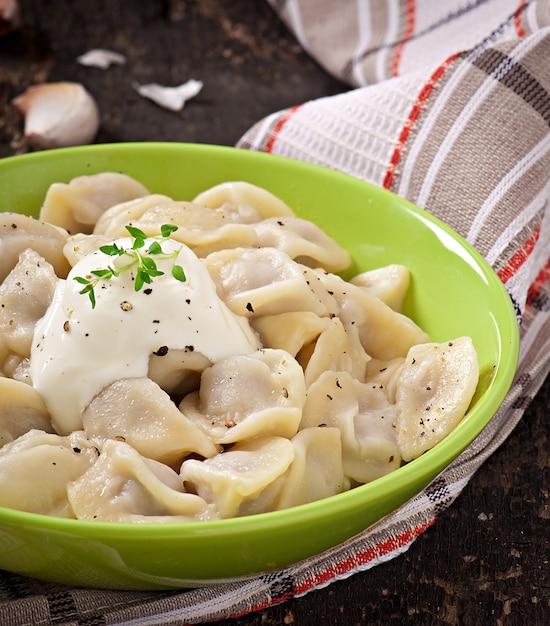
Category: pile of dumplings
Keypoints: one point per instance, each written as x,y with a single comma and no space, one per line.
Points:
343,389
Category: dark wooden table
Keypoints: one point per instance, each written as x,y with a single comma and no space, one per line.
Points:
486,560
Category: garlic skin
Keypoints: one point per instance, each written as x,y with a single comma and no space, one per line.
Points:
172,98
101,58
58,115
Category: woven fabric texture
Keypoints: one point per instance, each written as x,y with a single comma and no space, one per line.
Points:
448,106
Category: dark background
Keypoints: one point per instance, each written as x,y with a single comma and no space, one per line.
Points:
249,64
486,560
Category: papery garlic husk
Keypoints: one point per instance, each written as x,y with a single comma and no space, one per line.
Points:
101,58
58,115
173,98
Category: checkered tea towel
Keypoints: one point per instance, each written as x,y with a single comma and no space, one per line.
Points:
450,108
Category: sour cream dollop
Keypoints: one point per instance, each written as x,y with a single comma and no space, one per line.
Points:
78,350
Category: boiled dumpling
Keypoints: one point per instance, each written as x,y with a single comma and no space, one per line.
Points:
123,486
290,331
384,333
21,409
80,245
243,202
201,229
17,367
78,205
25,295
233,479
20,232
317,471
138,411
113,221
365,419
5,352
385,375
337,349
178,371
303,241
434,390
246,396
389,284
36,467
263,281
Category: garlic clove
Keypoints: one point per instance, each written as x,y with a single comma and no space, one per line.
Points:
58,114
172,98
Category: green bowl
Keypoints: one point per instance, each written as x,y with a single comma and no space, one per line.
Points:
453,292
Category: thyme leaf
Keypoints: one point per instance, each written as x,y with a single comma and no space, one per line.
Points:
139,259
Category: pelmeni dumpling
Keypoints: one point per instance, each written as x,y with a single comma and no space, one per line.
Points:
336,349
19,232
436,385
303,241
203,230
314,278
12,365
365,419
138,411
385,375
290,331
371,445
80,245
317,471
246,396
243,202
78,205
178,370
263,281
389,283
123,486
25,295
113,221
36,467
21,409
17,367
4,354
234,479
384,333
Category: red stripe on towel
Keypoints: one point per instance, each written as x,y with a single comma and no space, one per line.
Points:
411,119
410,22
517,19
343,568
362,558
279,126
539,284
519,258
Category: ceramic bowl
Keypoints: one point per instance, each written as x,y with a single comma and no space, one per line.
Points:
453,292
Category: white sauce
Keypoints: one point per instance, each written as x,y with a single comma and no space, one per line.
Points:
79,350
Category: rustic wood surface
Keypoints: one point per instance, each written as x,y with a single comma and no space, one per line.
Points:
486,560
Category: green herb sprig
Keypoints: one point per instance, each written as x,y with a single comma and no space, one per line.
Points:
140,259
